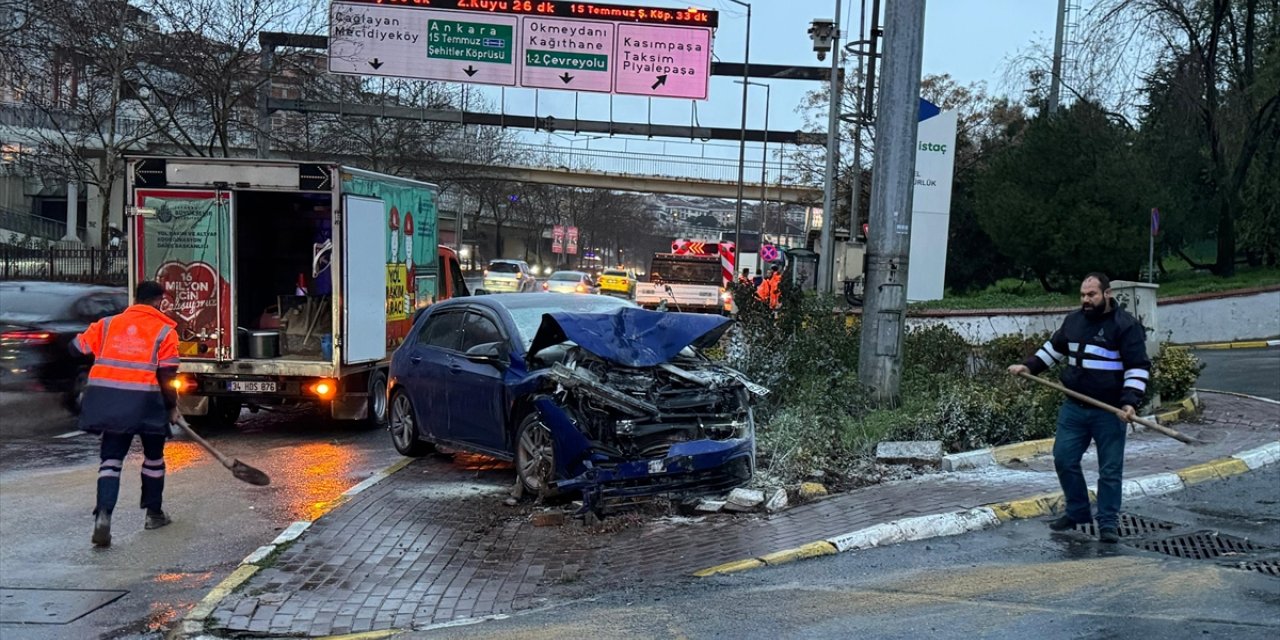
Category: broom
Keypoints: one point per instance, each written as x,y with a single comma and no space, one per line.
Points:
1150,424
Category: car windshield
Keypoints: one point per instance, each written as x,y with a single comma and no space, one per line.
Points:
568,276
529,318
619,274
683,270
504,267
21,303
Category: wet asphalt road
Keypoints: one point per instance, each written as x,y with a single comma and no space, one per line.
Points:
1016,581
1252,371
47,494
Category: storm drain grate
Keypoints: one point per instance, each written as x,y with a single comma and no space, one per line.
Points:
1131,526
1201,545
1265,567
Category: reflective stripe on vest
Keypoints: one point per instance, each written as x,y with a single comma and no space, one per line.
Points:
127,357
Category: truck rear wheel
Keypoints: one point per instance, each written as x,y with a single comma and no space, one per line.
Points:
378,403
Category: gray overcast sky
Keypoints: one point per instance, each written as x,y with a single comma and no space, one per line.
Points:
969,39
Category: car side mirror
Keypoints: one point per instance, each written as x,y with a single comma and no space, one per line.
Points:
489,353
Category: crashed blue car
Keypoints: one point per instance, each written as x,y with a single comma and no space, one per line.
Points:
587,395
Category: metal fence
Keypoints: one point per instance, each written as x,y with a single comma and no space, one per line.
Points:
89,265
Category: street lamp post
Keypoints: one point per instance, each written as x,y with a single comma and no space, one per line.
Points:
764,164
742,140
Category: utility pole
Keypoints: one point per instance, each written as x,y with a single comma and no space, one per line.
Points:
1055,83
826,263
893,177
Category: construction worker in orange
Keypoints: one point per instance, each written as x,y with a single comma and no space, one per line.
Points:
130,393
770,290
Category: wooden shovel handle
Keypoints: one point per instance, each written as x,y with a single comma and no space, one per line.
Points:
1150,424
186,428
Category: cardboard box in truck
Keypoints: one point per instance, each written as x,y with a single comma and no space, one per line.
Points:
291,282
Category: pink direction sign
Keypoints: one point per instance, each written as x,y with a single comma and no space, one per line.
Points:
574,55
663,62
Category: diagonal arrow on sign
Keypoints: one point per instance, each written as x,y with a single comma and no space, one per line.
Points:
662,79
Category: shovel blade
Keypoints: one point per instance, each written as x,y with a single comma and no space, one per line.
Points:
249,474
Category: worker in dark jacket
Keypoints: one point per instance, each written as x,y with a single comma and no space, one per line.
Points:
1104,348
130,393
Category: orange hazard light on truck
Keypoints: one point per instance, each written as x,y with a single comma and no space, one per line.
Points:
324,389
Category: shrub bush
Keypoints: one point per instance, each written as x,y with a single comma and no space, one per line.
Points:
936,349
1174,372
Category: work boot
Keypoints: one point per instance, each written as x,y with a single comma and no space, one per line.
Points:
157,519
102,529
1109,535
1065,523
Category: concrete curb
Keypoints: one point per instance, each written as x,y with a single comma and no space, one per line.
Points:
1004,454
991,515
192,624
1244,344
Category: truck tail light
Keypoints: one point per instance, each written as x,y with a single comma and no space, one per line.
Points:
183,383
324,389
546,286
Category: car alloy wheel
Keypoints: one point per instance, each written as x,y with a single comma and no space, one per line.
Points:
535,456
404,429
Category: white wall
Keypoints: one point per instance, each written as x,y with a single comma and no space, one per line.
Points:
1219,319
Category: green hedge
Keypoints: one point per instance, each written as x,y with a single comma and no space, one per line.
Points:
818,417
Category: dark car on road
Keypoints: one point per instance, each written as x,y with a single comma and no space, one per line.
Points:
585,394
38,320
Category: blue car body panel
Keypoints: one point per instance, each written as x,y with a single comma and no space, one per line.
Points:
631,337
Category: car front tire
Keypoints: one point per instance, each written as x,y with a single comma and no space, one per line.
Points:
404,428
535,456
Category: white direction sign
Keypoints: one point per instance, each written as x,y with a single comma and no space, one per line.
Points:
576,55
466,43
405,42
666,62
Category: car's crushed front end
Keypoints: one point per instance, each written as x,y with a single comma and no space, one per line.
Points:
635,410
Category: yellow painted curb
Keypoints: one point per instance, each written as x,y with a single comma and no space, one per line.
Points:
729,567
205,607
1213,470
397,466
1022,450
811,550
364,635
1247,344
1033,507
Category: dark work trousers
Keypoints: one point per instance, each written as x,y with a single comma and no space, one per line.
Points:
115,446
1077,425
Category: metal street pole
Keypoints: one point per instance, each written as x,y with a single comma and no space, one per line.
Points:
1055,82
893,177
764,167
826,262
742,141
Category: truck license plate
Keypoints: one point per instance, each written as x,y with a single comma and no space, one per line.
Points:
252,387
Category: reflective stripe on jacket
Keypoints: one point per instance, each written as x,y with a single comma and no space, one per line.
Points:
124,393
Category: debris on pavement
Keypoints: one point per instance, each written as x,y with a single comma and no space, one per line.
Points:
777,501
744,499
812,490
919,453
548,518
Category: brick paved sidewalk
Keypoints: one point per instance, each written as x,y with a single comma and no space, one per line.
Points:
434,543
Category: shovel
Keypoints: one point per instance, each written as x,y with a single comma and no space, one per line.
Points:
238,469
1150,424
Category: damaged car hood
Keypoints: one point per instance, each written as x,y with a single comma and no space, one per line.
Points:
630,337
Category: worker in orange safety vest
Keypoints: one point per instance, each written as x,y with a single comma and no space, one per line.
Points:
130,392
770,290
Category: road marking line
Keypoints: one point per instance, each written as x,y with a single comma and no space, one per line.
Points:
72,434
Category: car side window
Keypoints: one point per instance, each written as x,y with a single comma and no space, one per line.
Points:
442,330
478,330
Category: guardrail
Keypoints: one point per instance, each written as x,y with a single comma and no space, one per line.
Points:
88,265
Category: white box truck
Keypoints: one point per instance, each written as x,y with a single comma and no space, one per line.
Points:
291,282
